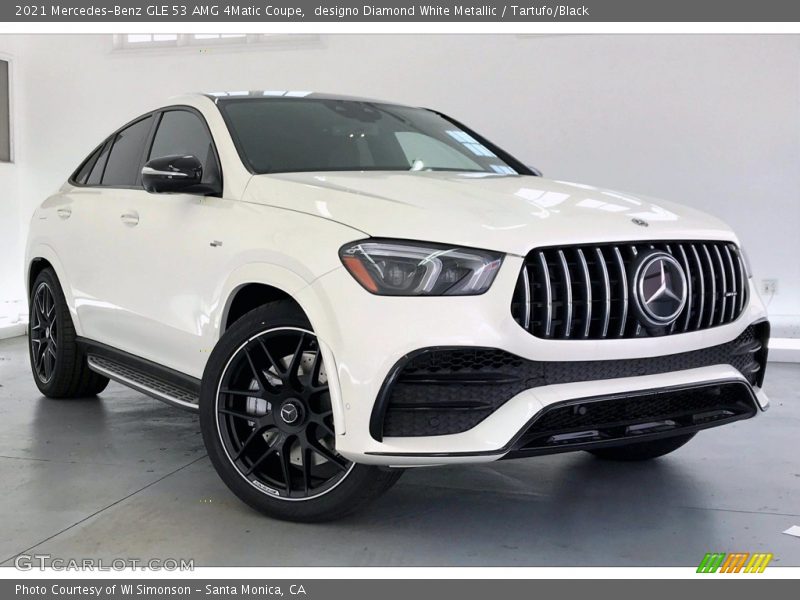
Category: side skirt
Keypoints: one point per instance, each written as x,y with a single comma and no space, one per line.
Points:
170,386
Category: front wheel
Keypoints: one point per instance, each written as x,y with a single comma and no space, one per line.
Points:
643,450
267,421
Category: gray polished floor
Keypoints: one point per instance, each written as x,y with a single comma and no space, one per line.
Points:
125,476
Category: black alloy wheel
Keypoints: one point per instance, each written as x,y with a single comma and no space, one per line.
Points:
267,417
58,363
44,332
275,418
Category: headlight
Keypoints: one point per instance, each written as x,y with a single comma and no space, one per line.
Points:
400,268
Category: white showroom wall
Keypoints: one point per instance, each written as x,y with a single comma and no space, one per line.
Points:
711,121
11,304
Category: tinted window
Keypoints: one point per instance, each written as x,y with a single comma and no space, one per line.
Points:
183,132
83,173
276,135
100,164
122,168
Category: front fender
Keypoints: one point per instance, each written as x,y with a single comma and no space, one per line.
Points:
309,300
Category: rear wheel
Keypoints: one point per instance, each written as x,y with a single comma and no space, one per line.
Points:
57,362
267,421
643,450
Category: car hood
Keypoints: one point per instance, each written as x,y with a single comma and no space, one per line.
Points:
498,212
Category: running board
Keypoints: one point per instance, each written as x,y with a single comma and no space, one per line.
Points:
144,383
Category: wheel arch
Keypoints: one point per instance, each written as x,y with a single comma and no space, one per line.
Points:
42,257
268,282
255,284
36,266
249,296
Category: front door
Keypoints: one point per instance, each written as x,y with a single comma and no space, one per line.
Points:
165,282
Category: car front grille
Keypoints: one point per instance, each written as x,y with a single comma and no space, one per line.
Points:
586,292
439,391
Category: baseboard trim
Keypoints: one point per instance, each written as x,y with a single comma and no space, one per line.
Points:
10,331
784,350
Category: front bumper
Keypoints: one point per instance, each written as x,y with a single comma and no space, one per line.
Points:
439,391
366,336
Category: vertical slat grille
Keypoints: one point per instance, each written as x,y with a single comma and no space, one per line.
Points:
701,286
623,285
585,292
711,280
566,300
601,262
684,260
723,277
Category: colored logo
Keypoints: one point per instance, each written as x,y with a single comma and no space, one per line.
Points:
736,562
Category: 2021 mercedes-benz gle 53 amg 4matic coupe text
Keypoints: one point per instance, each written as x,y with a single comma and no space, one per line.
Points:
343,288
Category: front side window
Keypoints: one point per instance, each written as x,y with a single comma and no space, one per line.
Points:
181,132
278,135
122,167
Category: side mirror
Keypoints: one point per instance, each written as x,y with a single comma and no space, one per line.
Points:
176,174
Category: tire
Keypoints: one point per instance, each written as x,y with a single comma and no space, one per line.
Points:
58,364
643,450
267,422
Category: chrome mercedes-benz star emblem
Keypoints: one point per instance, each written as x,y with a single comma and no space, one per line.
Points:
659,289
289,413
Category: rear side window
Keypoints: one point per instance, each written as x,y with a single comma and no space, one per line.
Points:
83,172
182,132
97,169
122,167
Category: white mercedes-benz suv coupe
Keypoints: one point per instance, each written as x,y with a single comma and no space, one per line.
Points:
345,287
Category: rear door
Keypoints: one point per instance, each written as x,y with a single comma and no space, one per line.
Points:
105,197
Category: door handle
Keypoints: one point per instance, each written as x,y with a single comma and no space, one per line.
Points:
64,213
130,218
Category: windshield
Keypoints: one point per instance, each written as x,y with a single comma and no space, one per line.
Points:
280,135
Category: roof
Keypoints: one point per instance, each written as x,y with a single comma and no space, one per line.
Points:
300,94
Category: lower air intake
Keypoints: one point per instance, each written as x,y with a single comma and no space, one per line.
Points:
440,391
594,422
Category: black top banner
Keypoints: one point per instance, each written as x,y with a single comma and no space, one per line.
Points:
589,11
